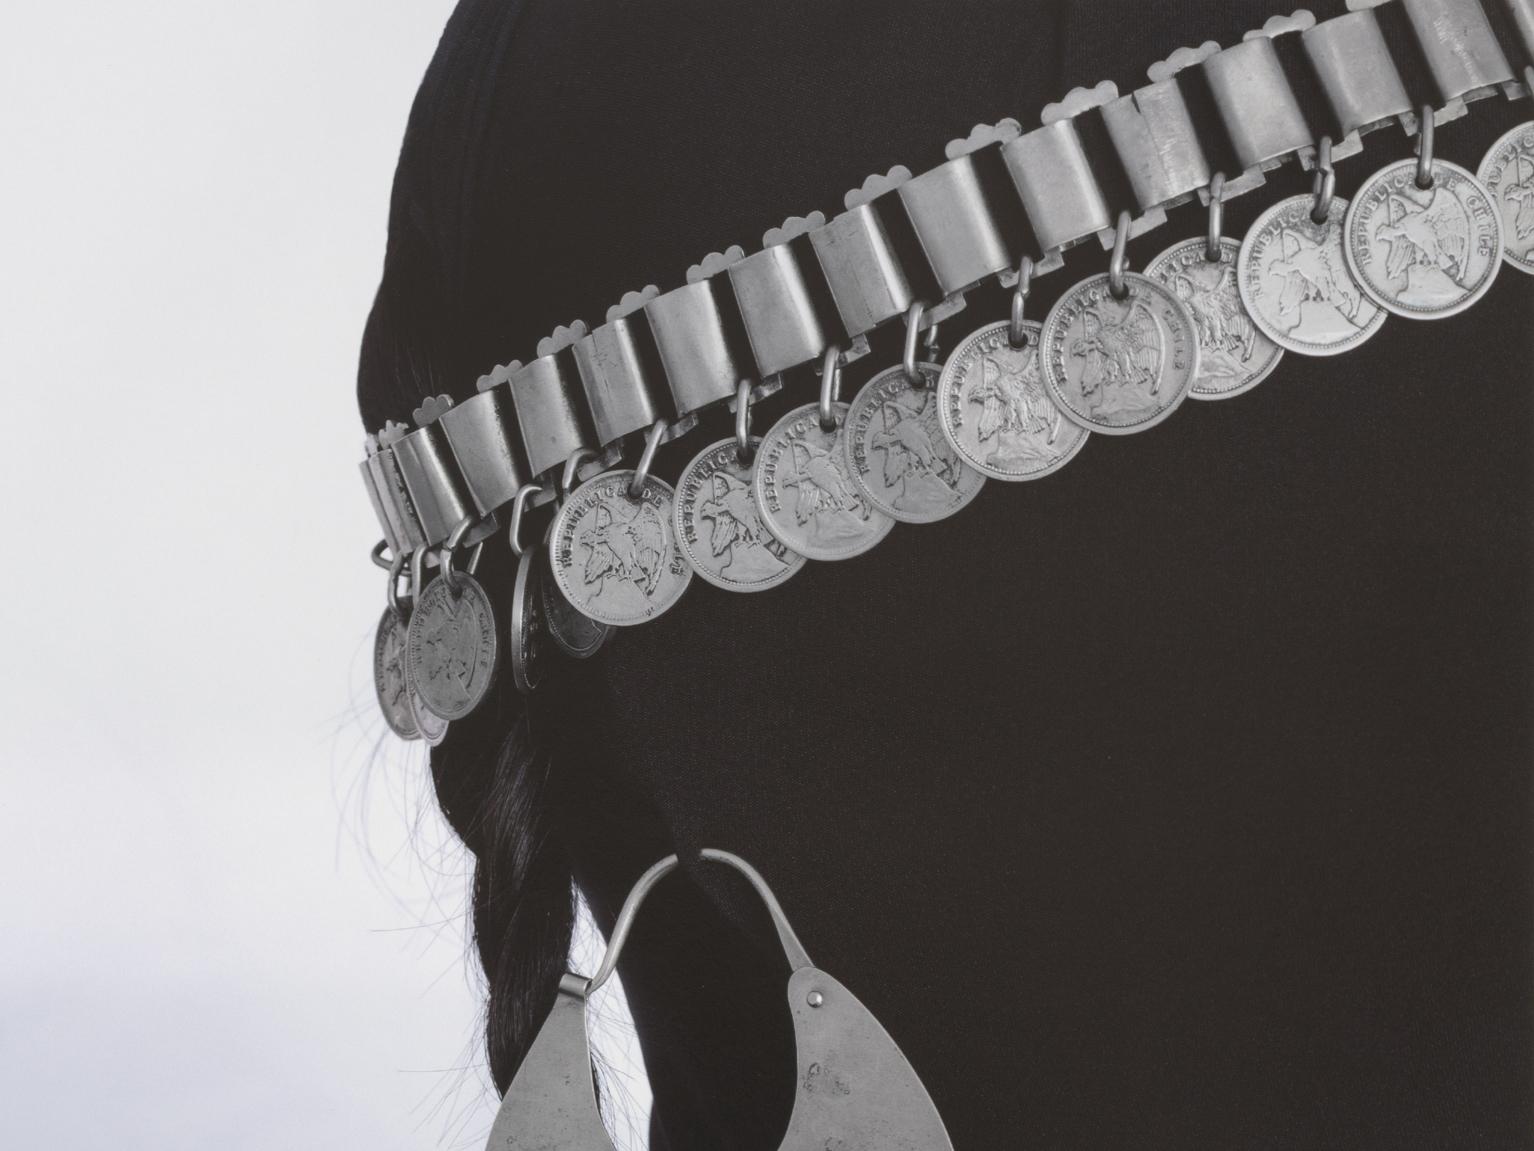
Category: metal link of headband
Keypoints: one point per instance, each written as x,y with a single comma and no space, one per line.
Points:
662,357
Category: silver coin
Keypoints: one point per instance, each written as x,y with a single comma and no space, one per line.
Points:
525,651
577,635
1119,366
1295,282
1423,253
451,646
996,412
1508,173
389,676
898,455
614,555
432,727
805,492
720,528
1234,355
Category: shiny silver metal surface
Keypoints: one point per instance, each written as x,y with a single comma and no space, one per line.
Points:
551,1104
429,475
393,496
1294,280
526,631
479,433
995,410
389,682
1157,144
1258,108
689,329
1119,365
550,406
955,226
611,363
1508,174
858,259
805,492
575,634
781,322
1461,50
1359,77
386,517
1060,193
1234,355
1423,253
614,556
719,527
897,453
1520,19
451,647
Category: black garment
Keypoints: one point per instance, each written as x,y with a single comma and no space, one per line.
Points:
1180,799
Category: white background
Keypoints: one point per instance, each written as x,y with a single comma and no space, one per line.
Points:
220,923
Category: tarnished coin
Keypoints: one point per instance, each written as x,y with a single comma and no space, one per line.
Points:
389,676
525,651
898,455
805,492
577,635
1233,354
1508,173
451,646
432,727
996,412
1295,282
1119,366
1423,253
614,555
720,528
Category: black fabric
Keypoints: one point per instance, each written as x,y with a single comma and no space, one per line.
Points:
1180,799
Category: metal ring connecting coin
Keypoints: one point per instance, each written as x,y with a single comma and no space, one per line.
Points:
912,333
743,421
1423,253
996,411
1118,263
1294,281
719,527
1119,364
518,512
1018,330
647,458
1324,186
614,555
1216,230
1507,172
830,387
897,453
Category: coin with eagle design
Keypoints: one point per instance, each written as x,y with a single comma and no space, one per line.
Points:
1508,173
1423,253
805,491
996,412
719,527
897,452
451,646
614,553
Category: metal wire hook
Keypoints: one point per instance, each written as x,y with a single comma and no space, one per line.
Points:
1324,186
646,459
743,451
1017,335
518,510
830,387
1119,263
450,548
1425,148
567,477
381,557
793,949
912,330
1214,250
401,609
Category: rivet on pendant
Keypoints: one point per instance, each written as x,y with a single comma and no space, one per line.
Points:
816,999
